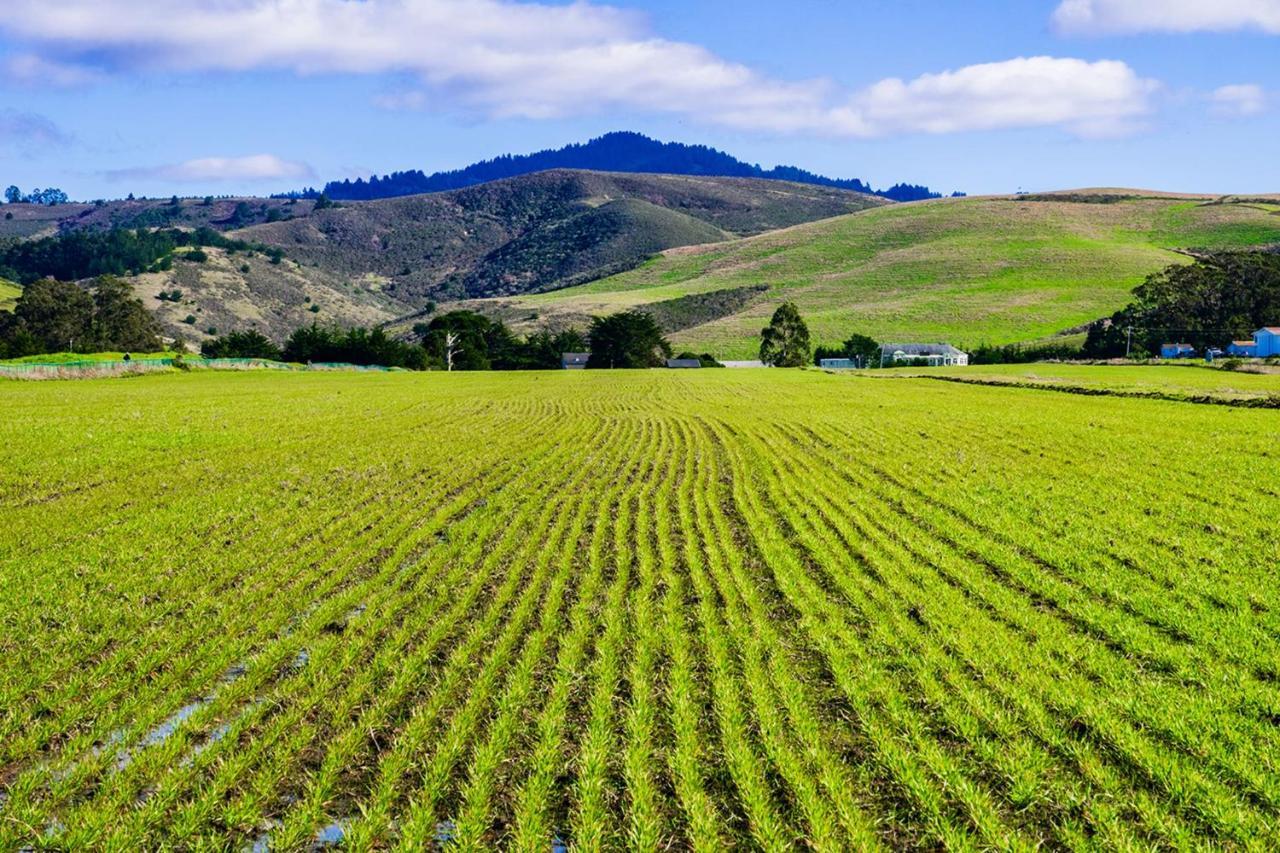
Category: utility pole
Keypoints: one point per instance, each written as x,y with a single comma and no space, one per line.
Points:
1128,347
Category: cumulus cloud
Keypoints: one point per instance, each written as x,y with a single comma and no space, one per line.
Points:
525,60
1111,17
29,69
256,167
29,131
1239,100
1089,98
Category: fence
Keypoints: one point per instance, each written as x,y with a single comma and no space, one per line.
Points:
90,368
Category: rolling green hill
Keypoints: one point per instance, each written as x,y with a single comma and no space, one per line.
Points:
997,270
542,231
368,262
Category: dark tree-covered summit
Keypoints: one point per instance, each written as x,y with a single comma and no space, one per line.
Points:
613,152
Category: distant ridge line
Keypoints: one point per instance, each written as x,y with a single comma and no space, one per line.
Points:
621,151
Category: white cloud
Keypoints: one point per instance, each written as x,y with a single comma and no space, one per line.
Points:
1239,100
525,60
1089,98
256,167
29,69
1110,17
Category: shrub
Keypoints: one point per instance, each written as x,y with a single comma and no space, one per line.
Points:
250,344
198,256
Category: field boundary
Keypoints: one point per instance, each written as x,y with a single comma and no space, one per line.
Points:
91,369
1271,401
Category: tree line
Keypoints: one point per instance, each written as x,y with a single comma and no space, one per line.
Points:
60,316
49,197
1216,299
460,340
119,251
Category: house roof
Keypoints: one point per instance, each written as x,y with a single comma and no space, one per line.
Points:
683,362
1275,330
920,349
1243,343
574,357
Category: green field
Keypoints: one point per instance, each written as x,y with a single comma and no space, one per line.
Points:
651,610
9,293
968,271
1178,380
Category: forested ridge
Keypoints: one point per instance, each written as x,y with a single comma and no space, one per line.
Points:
613,152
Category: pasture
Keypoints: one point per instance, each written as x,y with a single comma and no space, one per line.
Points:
1178,380
649,610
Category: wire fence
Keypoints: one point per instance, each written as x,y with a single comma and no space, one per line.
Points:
92,368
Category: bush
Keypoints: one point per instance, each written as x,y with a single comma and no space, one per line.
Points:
706,358
1018,354
354,346
198,256
190,319
250,344
1231,363
630,339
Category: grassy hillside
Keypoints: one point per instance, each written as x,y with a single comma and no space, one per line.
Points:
586,244
992,270
363,262
9,293
236,292
538,232
665,610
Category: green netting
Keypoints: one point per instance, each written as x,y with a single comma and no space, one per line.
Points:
91,367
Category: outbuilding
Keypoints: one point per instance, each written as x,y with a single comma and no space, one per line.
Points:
574,360
1267,340
683,363
1177,351
1243,349
1265,343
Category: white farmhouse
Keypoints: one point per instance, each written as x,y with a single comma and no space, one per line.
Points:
935,355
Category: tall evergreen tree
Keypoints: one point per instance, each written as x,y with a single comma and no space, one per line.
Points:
120,321
785,341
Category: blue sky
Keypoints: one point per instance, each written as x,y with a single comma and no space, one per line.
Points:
107,97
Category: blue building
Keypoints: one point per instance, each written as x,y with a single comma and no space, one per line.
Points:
836,363
1177,351
1265,343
